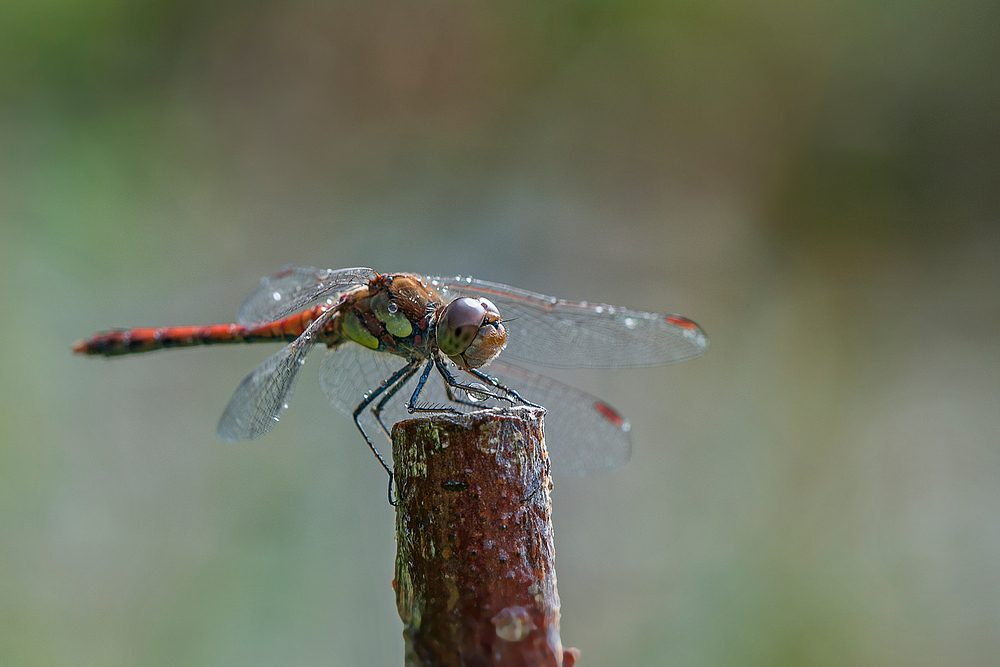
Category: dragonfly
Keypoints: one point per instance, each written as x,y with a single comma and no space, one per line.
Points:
386,333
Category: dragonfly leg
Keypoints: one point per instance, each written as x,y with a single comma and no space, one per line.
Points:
389,393
412,406
453,397
505,389
408,368
506,394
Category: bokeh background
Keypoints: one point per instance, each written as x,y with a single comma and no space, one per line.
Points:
815,183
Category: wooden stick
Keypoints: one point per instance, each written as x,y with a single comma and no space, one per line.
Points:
475,563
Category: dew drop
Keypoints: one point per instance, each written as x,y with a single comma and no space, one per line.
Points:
630,323
626,426
275,417
276,296
476,396
392,307
598,309
513,624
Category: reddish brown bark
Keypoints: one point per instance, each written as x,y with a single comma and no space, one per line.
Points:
475,564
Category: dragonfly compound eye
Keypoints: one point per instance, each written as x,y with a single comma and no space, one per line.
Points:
470,332
459,324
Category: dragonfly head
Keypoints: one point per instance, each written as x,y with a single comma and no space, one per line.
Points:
470,333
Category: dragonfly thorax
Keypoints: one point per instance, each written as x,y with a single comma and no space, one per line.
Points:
390,314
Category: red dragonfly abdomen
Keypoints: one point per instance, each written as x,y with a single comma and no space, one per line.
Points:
116,342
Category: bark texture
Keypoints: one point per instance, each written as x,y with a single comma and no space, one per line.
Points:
475,564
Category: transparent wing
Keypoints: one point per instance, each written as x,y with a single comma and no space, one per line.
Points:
557,333
263,395
349,371
293,287
582,433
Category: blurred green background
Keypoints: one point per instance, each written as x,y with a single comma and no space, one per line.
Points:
815,183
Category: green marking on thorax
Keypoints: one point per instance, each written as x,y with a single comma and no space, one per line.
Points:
395,322
357,331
